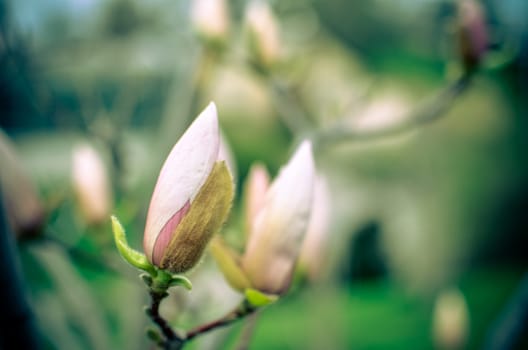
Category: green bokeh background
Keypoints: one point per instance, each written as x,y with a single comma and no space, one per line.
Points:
441,205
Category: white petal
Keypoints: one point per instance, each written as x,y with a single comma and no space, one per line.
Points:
279,229
183,173
315,245
257,185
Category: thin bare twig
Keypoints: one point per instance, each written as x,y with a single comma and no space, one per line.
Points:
423,115
243,310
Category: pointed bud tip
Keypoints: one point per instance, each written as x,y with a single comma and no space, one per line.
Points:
304,155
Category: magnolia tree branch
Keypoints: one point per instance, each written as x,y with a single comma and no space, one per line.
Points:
431,111
175,341
243,310
153,312
299,120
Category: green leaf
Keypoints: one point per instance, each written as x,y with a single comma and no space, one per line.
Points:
257,299
132,256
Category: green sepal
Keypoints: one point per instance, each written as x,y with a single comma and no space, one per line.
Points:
258,299
164,280
179,280
132,256
229,263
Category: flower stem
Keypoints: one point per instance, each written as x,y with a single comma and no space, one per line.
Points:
173,341
243,310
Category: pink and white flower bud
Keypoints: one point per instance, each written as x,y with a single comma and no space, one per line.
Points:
91,184
277,230
191,199
210,19
22,203
473,34
264,32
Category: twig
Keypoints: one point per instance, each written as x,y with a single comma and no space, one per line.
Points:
423,115
243,310
173,341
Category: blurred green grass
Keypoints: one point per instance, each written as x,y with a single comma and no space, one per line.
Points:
378,315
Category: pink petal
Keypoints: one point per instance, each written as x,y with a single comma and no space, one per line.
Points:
166,233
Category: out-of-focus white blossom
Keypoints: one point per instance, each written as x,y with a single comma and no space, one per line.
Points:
211,19
450,320
264,33
472,32
91,184
279,217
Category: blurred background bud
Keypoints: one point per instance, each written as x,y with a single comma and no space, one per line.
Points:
280,226
210,19
264,33
315,246
91,185
472,33
24,209
451,320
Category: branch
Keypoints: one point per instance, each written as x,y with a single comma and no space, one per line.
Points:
423,115
173,341
241,311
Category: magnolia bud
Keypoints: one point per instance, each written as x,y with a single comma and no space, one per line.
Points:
23,206
472,32
210,19
192,197
450,322
279,227
91,184
263,31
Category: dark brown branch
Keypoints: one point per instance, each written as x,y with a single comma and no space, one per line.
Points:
240,312
173,341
